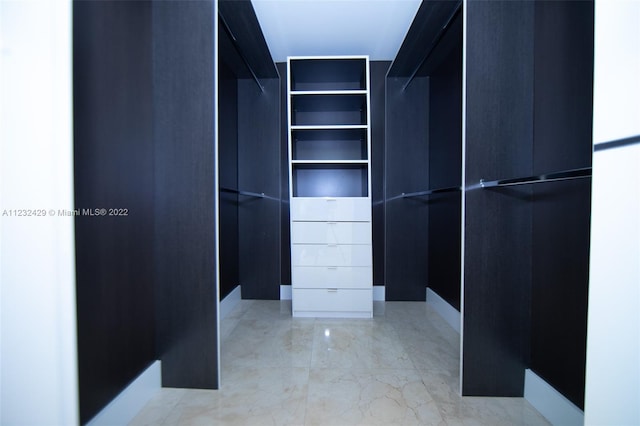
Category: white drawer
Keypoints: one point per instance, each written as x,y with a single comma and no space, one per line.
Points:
331,232
332,302
330,255
332,276
331,209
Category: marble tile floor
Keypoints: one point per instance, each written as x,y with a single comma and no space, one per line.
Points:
399,368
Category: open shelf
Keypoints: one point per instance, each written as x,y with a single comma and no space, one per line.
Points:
330,109
328,92
328,74
329,144
329,127
330,180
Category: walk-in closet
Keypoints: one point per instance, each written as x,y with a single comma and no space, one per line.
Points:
479,176
452,177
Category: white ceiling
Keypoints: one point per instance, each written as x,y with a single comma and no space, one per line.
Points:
335,27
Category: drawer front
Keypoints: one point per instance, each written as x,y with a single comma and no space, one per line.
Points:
332,300
330,255
331,232
331,209
332,277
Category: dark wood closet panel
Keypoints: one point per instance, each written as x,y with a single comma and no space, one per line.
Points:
444,68
143,103
529,106
377,76
423,154
259,172
185,232
561,234
228,167
113,168
561,210
497,246
285,230
250,141
406,170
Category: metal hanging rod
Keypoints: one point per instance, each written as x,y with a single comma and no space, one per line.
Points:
616,143
431,191
235,43
433,45
249,194
548,177
425,193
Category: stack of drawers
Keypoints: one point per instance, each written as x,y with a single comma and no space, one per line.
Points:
331,257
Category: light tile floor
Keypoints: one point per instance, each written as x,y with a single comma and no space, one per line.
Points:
399,368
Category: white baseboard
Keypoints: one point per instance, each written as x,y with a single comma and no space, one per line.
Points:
378,293
446,311
285,292
124,407
554,406
230,301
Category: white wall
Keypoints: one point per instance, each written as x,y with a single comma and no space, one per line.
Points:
613,337
38,338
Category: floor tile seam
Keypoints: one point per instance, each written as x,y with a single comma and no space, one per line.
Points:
167,412
441,359
265,365
467,403
270,367
180,407
226,338
174,406
415,365
176,403
405,349
274,329
397,338
313,343
453,395
240,310
437,363
272,319
344,325
436,342
408,333
439,371
308,382
301,386
372,370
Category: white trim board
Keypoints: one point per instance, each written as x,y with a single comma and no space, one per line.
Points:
38,326
216,186
285,292
378,293
230,301
124,407
463,180
554,406
444,309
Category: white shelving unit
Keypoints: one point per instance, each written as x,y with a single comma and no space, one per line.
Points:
330,186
